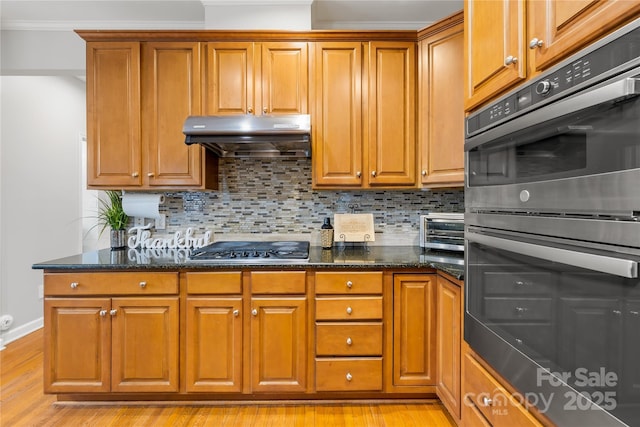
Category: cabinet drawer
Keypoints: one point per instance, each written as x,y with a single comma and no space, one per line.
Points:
278,282
116,283
348,308
228,282
349,374
349,339
491,399
355,282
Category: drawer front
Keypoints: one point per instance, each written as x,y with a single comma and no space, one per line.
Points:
346,308
349,374
278,282
228,282
491,399
349,339
356,282
116,283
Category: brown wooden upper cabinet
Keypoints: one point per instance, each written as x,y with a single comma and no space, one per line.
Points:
441,104
138,95
535,35
363,115
257,78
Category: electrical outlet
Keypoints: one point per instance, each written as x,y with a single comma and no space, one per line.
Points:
161,222
5,322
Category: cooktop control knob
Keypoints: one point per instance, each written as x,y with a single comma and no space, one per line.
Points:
524,196
543,87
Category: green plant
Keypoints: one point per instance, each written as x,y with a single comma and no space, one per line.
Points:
110,211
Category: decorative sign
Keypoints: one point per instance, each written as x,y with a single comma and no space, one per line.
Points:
141,238
353,228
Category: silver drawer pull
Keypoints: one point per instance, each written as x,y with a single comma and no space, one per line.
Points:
349,342
143,284
349,310
103,313
74,285
486,401
349,376
349,283
236,313
113,312
254,312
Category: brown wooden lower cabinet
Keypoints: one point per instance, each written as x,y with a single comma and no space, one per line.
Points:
487,402
111,344
449,333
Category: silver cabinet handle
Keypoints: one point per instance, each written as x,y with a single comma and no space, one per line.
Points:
510,60
254,312
143,284
265,110
374,173
601,263
424,172
358,174
349,376
520,310
349,283
486,401
151,174
250,110
236,313
349,342
349,310
74,285
617,312
535,42
113,312
135,174
103,313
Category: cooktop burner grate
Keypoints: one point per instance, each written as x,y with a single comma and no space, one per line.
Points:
247,252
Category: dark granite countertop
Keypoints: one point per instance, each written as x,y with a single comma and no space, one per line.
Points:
374,257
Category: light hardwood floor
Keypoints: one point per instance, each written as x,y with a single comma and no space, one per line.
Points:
24,404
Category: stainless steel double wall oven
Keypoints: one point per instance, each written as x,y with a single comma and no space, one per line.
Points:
552,236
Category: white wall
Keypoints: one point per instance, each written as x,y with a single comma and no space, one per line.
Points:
42,118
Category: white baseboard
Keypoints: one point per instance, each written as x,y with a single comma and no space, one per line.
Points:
20,332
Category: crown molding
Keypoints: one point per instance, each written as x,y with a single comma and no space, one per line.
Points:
369,25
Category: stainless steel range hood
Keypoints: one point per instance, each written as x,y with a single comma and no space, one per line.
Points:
251,136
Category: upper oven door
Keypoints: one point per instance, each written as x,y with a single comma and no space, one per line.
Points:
578,155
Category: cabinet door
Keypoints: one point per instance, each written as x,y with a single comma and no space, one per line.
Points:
278,344
114,156
171,84
285,78
449,331
563,26
441,111
145,344
214,345
229,78
392,126
77,345
414,329
337,116
494,32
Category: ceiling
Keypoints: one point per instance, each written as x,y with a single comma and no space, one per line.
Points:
47,15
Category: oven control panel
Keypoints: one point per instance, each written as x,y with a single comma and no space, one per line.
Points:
613,54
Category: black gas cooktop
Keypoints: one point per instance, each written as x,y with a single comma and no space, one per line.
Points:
252,252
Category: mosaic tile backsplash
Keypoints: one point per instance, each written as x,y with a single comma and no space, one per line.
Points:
273,198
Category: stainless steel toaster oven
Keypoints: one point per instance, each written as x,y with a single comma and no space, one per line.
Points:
443,231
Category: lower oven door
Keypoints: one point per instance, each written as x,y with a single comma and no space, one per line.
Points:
559,322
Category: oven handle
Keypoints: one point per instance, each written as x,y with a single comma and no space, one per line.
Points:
625,88
600,263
